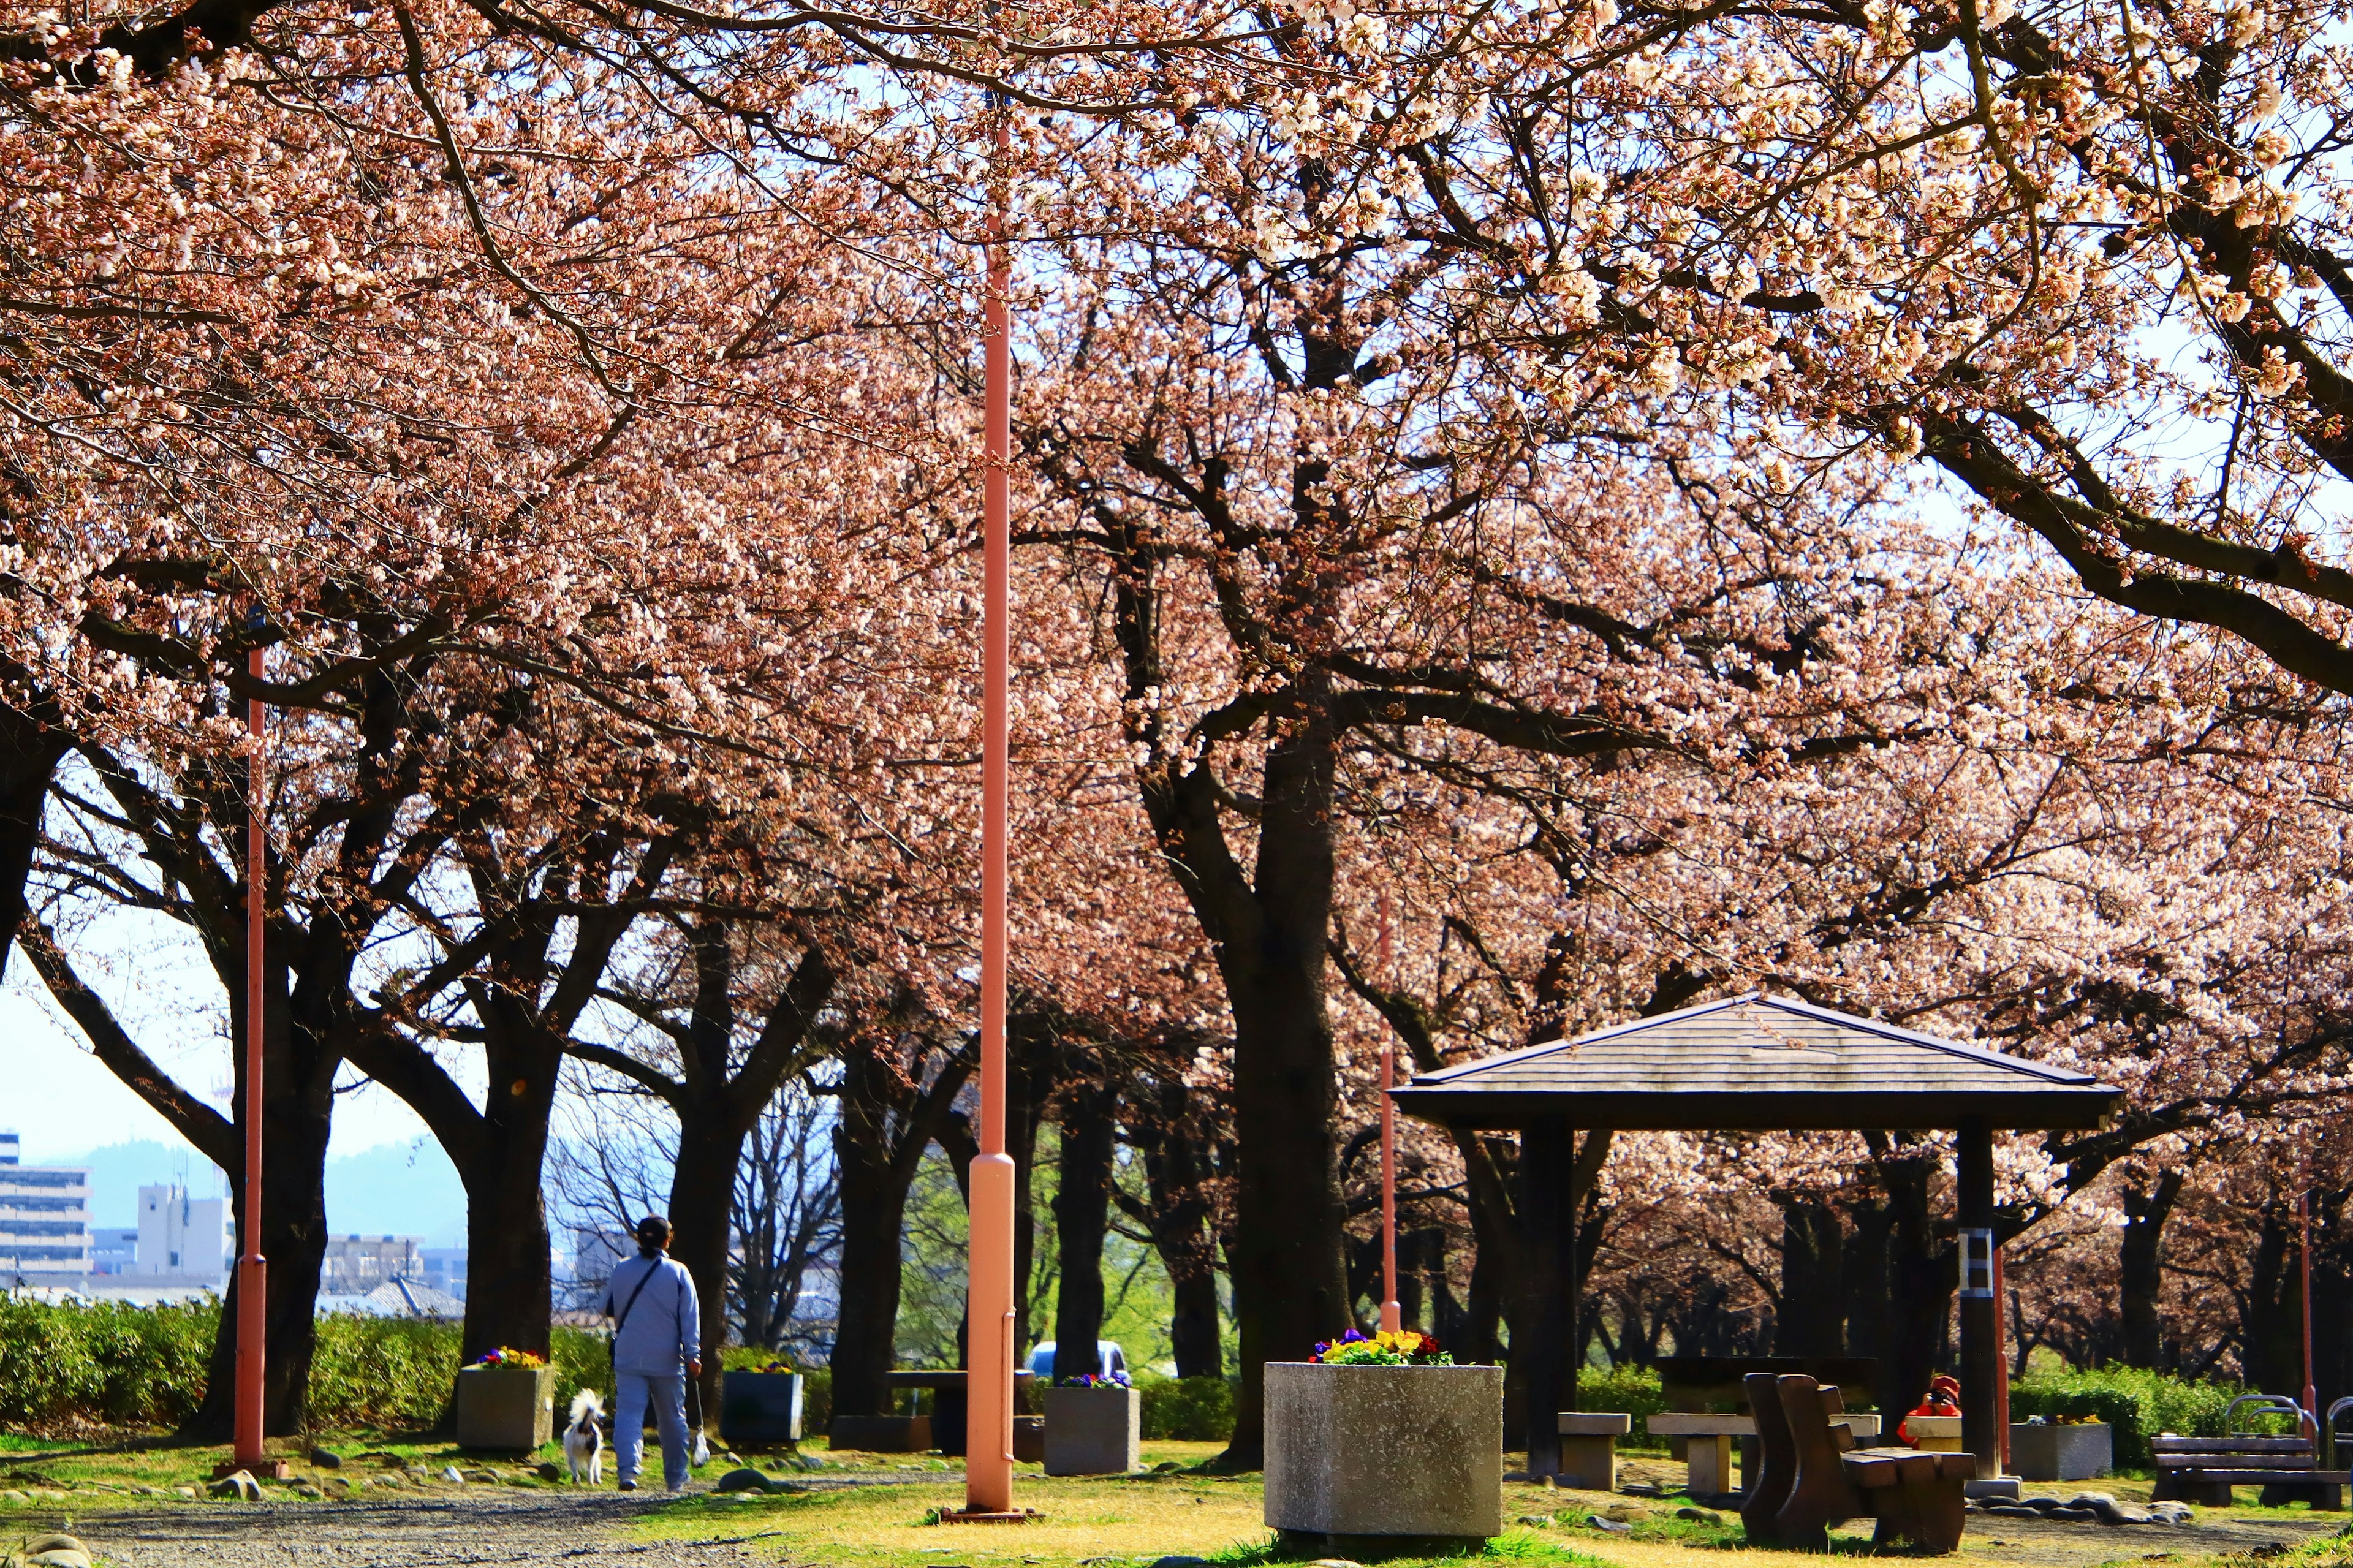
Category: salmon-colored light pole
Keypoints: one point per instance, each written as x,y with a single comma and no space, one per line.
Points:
2304,1250
252,1273
988,1328
1392,1316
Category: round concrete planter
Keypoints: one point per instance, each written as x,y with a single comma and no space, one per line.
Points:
1385,1451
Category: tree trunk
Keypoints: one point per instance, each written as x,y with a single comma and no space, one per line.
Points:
31,746
2141,1267
1082,1207
873,1218
1921,1282
1808,1320
2270,1321
1177,1172
701,1191
1290,1282
879,1140
297,1101
1029,1083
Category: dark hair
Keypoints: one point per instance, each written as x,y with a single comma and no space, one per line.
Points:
653,1234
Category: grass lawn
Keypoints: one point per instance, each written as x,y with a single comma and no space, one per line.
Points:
1125,1522
1130,1522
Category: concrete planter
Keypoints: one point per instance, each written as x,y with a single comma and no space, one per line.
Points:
760,1409
1384,1450
506,1408
2062,1453
1093,1431
1935,1433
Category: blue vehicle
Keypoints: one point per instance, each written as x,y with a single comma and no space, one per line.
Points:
1108,1359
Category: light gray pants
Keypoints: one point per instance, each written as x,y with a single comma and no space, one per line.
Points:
669,1397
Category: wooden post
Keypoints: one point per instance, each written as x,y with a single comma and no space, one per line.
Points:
1979,1308
1548,1314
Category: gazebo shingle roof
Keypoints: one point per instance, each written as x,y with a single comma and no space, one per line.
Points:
1758,1062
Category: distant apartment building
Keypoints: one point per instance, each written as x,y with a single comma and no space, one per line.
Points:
355,1265
44,1220
113,1252
445,1271
182,1240
594,1254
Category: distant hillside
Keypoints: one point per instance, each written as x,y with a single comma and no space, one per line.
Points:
396,1189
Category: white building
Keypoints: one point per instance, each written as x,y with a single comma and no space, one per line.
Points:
44,1220
182,1239
113,1252
356,1264
445,1271
594,1254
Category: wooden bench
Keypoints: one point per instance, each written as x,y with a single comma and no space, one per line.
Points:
2203,1469
1812,1476
1708,1438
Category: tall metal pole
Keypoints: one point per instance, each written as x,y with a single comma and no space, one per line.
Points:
2303,1249
988,1329
252,1273
1392,1316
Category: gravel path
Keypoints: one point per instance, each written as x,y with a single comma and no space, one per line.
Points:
481,1531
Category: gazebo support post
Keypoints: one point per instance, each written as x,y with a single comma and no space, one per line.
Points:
1980,1342
1548,1284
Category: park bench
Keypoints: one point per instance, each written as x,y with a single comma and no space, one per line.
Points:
1812,1476
1708,1436
2203,1469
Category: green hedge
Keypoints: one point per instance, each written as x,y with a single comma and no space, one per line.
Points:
1187,1409
2138,1403
107,1364
1632,1389
69,1366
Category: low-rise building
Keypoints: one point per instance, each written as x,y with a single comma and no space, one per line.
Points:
113,1253
182,1240
445,1271
356,1264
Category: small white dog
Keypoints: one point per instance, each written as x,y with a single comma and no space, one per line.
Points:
583,1443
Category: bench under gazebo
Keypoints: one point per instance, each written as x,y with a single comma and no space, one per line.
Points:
1751,1063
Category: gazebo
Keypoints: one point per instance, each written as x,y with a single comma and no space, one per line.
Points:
1751,1063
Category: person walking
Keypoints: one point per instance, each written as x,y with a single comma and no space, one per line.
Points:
657,1328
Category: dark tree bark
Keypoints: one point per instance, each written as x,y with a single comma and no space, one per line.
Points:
1921,1279
1030,1073
1810,1319
2271,1305
1081,1218
2141,1267
889,1115
33,742
1168,1128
